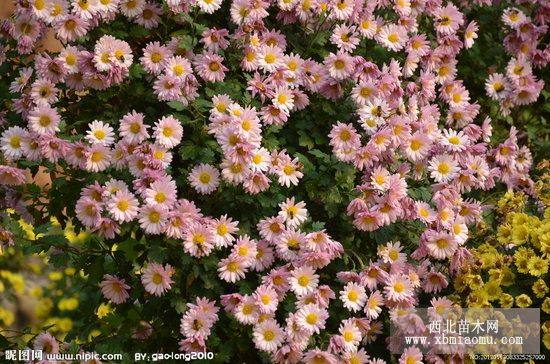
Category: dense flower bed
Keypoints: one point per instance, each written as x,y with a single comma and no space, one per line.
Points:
286,178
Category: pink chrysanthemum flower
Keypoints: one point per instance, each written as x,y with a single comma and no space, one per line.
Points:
44,120
123,206
12,176
178,67
411,355
350,334
132,129
46,343
223,229
266,299
339,65
114,289
232,269
209,66
100,133
98,158
199,240
154,57
443,168
293,213
161,193
168,131
12,141
303,280
398,288
268,335
204,178
353,296
311,318
153,218
393,37
157,279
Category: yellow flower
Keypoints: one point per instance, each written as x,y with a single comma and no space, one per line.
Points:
7,317
523,300
460,283
475,281
546,305
43,308
495,274
492,290
93,333
36,292
518,218
478,298
546,340
507,278
28,229
506,300
70,271
16,280
537,266
521,257
103,310
55,276
504,234
68,304
65,324
520,234
540,288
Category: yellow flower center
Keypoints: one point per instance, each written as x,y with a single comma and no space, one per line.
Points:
312,318
199,239
157,278
444,168
348,336
303,281
123,205
97,156
160,197
353,296
15,141
154,217
269,335
167,132
44,121
232,267
270,58
99,134
204,177
156,57
214,66
339,64
393,38
398,287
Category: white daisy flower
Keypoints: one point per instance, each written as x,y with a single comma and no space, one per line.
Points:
11,142
293,213
100,133
303,280
353,296
443,168
168,131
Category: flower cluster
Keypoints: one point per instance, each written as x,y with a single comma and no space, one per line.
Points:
511,267
196,324
246,162
518,85
415,140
